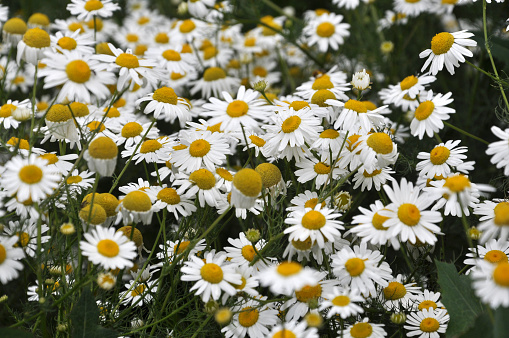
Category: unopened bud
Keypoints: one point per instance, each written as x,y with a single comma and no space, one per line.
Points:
211,307
313,319
223,316
398,318
260,86
474,233
360,80
253,235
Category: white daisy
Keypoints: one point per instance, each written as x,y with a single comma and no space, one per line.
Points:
499,150
377,178
377,150
494,219
86,10
174,248
326,30
363,329
9,257
201,182
442,160
251,319
167,197
430,113
213,82
317,171
342,302
286,277
428,323
73,41
140,294
410,86
33,45
293,329
354,115
27,235
165,104
398,296
491,283
136,207
411,7
426,300
243,252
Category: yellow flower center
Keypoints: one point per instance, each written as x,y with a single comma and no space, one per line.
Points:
37,38
322,95
213,74
30,174
241,285
171,55
321,168
103,147
136,237
287,269
442,43
323,82
260,71
257,141
162,38
409,214
67,43
356,106
341,300
211,273
138,290
15,26
313,220
374,173
329,133
132,37
127,60
150,146
248,182
23,239
495,256
74,179
78,71
361,330
137,201
209,52
394,291
79,109
108,202
20,143
439,155
7,109
237,108
457,183
355,266
93,5
501,274
199,148
182,246
39,19
248,316
108,248
426,304
501,214
248,252
166,95
429,325
187,26
308,293
98,24
59,113
96,126
325,29
143,20
131,129
169,196
203,178
424,110
298,105
3,254
224,174
285,333
270,174
41,106
291,124
95,216
74,26
378,221
302,245
250,42
381,143
408,82
369,105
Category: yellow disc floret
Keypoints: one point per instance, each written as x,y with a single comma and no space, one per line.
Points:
394,291
291,124
78,71
169,196
171,55
501,211
457,183
211,273
103,148
37,38
150,146
95,215
7,109
93,5
213,74
439,155
203,178
108,248
409,214
381,143
248,182
137,201
424,110
127,60
30,174
356,106
15,26
321,96
237,108
495,256
166,95
321,168
131,129
199,148
67,43
325,30
248,252
429,325
355,266
289,268
408,82
270,174
308,292
248,316
442,43
136,237
58,113
501,274
322,82
341,300
79,109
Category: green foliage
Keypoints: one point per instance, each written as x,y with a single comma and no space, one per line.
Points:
85,318
8,332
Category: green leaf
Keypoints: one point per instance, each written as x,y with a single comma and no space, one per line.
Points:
84,315
501,327
7,332
481,328
459,299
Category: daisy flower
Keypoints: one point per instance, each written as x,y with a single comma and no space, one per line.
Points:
243,252
150,151
108,248
447,48
317,171
173,60
355,114
491,283
363,329
132,70
165,104
307,199
9,257
6,111
293,329
79,74
329,139
399,296
62,163
428,323
499,150
136,207
27,235
411,86
251,319
202,149
370,226
212,276
286,277
140,294
333,81
73,41
442,160
101,156
326,30
494,219
174,248
342,302
377,150
359,268
86,10
213,82
245,110
130,131
427,300
408,217
319,224
411,8
430,113
167,197
377,178
29,178
201,182
200,8
33,45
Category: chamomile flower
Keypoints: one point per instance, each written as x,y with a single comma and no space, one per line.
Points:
33,45
167,197
491,283
201,182
449,49
499,150
6,119
73,41
363,329
130,131
411,8
348,4
9,257
286,277
319,224
29,178
377,150
165,104
243,252
441,160
430,113
494,219
173,60
428,323
27,235
79,75
88,9
342,302
426,300
410,87
326,31
399,296
140,293
293,329
354,115
136,207
333,81
329,139
174,248
375,179
214,81
359,268
108,248
212,276
494,251
251,319
101,155
150,151
317,171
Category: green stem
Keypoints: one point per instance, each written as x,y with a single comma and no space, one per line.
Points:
465,133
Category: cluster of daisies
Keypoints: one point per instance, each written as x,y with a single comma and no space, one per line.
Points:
237,147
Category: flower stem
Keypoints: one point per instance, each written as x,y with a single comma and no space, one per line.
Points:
465,133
